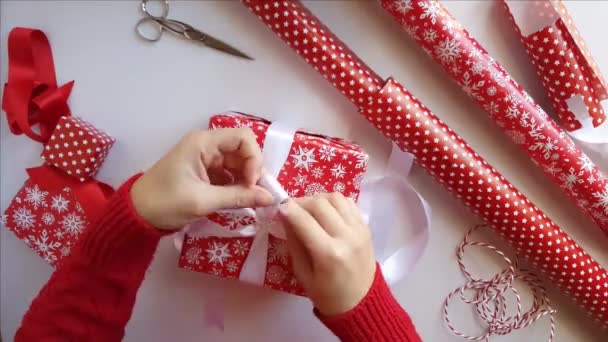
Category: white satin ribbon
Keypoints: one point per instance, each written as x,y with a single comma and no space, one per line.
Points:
277,145
254,268
398,216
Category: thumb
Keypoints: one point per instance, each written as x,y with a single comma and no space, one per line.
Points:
238,196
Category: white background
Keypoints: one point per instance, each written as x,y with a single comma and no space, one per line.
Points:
148,95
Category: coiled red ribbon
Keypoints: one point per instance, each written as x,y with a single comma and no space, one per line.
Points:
31,95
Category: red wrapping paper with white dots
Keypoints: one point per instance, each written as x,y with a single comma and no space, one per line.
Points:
444,155
77,148
562,60
493,89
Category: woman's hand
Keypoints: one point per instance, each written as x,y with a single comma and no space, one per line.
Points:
331,250
204,172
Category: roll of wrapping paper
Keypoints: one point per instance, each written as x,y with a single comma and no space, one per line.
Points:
492,88
443,154
562,61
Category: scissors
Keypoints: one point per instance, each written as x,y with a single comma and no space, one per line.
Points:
181,29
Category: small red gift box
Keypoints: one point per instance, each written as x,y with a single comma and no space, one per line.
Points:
77,148
315,164
51,211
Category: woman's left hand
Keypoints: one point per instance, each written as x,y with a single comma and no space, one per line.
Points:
206,171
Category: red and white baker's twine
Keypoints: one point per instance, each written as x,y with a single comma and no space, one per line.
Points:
490,300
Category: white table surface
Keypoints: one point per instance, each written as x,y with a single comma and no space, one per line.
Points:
148,95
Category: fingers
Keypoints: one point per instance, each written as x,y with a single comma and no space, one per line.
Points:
304,227
355,213
346,207
237,146
236,196
300,258
324,213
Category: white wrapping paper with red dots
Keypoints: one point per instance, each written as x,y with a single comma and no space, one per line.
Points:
444,155
562,60
77,148
493,89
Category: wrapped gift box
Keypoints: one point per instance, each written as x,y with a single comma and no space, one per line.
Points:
60,199
77,148
316,164
51,211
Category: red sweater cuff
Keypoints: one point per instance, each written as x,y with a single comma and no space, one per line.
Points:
120,240
378,317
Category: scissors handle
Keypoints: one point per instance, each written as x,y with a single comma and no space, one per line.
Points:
164,6
149,29
174,26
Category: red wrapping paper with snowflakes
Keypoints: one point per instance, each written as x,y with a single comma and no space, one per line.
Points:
315,164
562,60
493,89
58,202
444,155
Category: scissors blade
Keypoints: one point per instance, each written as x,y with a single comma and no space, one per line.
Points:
220,45
217,44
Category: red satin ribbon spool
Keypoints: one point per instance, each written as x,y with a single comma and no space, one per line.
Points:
31,95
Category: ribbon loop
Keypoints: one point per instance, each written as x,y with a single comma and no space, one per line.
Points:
398,217
31,95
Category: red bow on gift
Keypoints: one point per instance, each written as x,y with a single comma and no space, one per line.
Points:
90,194
31,95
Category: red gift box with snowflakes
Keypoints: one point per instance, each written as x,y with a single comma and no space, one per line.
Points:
51,210
77,148
316,164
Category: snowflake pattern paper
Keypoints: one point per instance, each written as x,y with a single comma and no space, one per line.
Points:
562,61
50,222
493,89
77,148
316,164
395,112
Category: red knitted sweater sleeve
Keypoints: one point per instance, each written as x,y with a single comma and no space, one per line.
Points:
378,317
91,296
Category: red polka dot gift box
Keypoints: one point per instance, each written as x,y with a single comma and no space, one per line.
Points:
77,148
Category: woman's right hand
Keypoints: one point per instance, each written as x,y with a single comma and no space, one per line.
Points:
331,250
